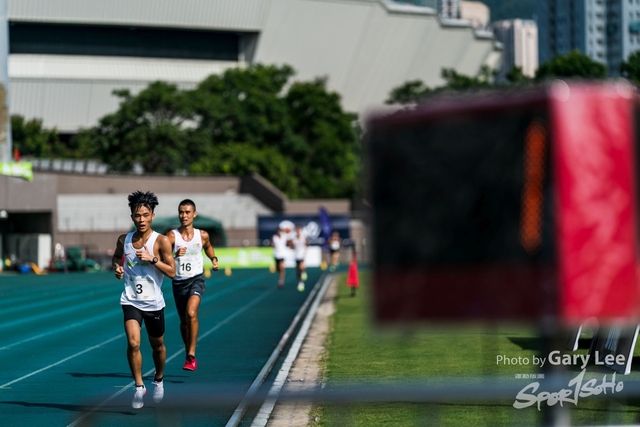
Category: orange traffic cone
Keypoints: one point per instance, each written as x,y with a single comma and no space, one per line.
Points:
352,274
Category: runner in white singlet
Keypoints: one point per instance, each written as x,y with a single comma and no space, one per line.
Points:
142,285
142,258
279,243
299,244
189,283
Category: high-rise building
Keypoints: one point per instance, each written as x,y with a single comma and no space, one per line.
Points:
605,30
520,43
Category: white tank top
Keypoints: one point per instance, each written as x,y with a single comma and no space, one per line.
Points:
279,246
142,281
300,246
189,264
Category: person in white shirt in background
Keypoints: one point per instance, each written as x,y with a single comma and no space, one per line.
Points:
279,242
335,243
299,245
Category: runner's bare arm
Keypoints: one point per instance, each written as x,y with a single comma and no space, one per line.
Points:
116,260
208,249
171,237
166,263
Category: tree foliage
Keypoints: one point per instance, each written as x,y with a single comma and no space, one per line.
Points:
575,64
244,159
147,129
408,92
242,121
414,90
631,67
326,148
458,81
31,139
516,76
572,65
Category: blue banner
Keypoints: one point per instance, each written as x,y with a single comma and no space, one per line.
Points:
311,225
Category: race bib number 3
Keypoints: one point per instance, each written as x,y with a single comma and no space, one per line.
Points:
141,288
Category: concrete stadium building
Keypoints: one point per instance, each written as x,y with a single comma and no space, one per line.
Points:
67,56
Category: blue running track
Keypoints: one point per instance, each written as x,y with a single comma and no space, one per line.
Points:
63,360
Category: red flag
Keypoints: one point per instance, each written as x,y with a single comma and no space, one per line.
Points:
352,274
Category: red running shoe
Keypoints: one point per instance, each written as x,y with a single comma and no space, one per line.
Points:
190,364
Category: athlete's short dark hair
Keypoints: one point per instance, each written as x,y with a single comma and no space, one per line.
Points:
188,202
137,199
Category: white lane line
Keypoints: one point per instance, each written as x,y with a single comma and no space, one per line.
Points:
173,356
62,361
208,298
19,322
239,412
55,331
265,411
108,341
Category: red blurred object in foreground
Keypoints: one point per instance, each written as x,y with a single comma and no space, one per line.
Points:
512,206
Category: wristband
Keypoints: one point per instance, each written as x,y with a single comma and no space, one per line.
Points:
214,257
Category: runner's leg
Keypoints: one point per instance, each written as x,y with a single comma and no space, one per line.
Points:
134,357
192,325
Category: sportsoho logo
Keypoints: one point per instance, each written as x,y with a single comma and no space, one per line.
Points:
577,387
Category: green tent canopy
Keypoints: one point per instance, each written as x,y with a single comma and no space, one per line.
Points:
212,226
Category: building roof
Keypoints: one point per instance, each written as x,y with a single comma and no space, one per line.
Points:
365,48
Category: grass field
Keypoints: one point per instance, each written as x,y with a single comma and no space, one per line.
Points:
358,353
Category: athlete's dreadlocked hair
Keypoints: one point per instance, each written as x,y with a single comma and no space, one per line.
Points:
138,199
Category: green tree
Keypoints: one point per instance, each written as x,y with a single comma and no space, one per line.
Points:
244,159
516,76
148,129
30,138
631,67
572,65
326,151
408,93
414,90
457,81
244,105
239,122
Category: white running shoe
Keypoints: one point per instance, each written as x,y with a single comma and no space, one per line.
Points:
304,276
158,391
138,394
301,286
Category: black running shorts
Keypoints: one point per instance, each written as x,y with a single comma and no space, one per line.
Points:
153,320
185,289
